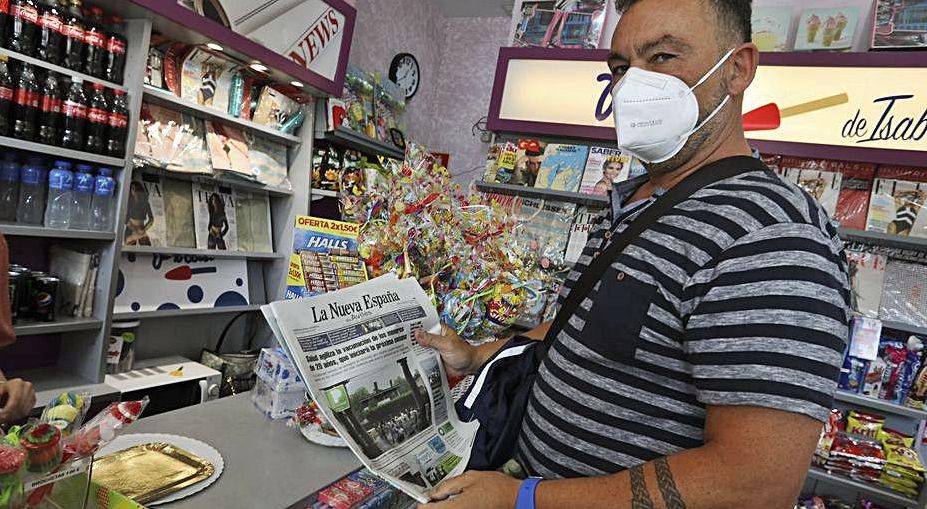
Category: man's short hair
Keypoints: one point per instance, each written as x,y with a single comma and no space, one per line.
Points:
733,15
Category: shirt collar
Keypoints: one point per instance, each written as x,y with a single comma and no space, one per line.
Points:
622,191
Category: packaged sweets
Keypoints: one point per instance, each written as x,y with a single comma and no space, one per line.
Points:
894,355
872,382
42,443
66,411
890,436
917,395
864,424
853,374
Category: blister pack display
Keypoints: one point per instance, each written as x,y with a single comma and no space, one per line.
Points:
904,293
867,273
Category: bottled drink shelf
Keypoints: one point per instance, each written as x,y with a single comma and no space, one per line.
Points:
26,230
61,70
61,153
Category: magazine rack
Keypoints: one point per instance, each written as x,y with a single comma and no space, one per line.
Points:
70,354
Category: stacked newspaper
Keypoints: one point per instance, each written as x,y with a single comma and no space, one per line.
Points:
386,395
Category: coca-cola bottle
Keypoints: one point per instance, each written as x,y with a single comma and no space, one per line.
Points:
116,43
95,42
25,104
97,120
118,126
4,22
51,27
50,115
73,51
24,25
74,116
6,97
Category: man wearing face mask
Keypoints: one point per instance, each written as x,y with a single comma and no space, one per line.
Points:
698,369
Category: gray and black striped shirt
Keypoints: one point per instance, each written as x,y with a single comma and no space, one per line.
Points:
737,296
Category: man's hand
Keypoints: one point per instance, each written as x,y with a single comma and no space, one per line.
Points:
460,358
475,490
17,398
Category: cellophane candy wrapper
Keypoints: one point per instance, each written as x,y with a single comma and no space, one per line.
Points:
66,411
103,428
462,247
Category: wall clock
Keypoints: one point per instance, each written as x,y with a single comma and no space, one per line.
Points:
405,72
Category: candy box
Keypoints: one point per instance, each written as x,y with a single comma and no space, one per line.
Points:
276,370
338,498
278,401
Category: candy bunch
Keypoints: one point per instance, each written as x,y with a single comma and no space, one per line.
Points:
417,223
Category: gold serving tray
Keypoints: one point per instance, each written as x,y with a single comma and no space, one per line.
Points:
149,472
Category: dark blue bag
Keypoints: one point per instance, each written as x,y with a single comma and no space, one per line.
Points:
498,397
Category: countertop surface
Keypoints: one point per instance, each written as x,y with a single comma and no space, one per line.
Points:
268,465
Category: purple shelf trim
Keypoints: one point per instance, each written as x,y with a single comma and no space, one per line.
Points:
175,12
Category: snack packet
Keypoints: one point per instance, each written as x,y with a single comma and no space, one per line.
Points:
864,424
66,411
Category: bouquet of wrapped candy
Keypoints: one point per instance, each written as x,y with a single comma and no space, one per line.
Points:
417,223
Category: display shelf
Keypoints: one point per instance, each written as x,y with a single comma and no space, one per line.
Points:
28,328
167,98
879,404
174,313
213,253
348,138
25,230
61,153
868,489
220,180
884,239
60,70
325,193
543,194
904,327
50,382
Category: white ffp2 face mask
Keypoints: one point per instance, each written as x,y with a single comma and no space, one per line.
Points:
656,113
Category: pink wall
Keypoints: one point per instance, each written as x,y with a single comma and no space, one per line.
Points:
471,48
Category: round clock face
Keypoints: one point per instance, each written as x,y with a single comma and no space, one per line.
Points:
405,72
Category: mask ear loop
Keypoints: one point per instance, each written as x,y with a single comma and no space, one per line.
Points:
714,69
726,100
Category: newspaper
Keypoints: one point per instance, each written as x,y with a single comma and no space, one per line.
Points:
386,395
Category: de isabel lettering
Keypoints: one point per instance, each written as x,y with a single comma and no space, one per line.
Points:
888,126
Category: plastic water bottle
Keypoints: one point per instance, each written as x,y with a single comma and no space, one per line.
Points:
84,183
31,207
9,187
101,208
60,196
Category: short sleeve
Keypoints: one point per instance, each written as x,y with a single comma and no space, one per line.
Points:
767,321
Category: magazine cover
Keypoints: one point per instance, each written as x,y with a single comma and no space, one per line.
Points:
771,28
604,168
545,230
904,293
145,217
900,24
867,273
897,202
215,217
178,211
253,221
816,179
207,79
324,257
562,169
501,169
579,234
228,149
573,24
268,161
827,29
160,282
529,157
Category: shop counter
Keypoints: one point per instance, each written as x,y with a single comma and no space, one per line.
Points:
267,464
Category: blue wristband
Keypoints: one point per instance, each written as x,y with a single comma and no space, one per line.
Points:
526,493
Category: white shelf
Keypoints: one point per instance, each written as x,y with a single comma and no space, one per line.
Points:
214,253
29,328
870,490
25,230
348,138
904,327
325,193
220,180
50,382
61,153
879,404
60,70
173,313
543,194
167,98
884,239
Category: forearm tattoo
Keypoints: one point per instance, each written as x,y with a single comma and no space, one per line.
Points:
640,497
671,495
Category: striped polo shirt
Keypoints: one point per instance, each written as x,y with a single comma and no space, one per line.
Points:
737,296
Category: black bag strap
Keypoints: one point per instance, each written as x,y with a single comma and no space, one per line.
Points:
714,172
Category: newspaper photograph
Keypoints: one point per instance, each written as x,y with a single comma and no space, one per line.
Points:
387,396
